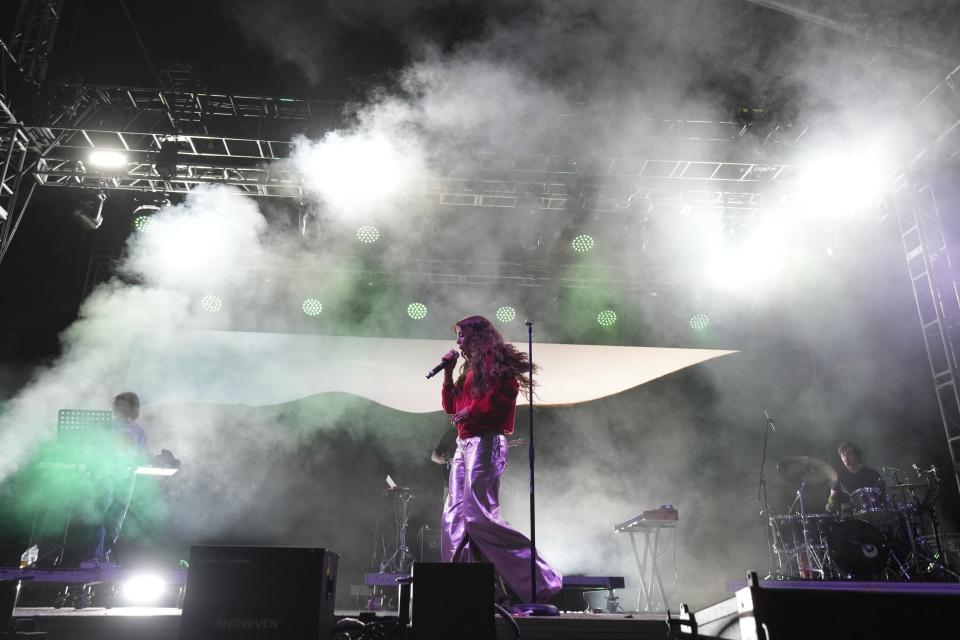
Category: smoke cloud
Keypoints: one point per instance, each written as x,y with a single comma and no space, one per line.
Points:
572,79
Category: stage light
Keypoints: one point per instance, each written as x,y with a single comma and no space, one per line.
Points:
506,314
367,234
750,259
211,303
844,183
107,158
165,161
699,321
142,223
312,307
144,589
417,310
582,243
143,215
607,318
89,212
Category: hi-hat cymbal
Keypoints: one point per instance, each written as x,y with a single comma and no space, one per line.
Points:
806,469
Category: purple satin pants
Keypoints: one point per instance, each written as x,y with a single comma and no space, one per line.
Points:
473,510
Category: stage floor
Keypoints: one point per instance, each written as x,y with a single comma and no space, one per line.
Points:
155,623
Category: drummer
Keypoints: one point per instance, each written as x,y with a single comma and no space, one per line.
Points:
853,475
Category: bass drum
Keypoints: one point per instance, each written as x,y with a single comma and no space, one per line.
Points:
857,548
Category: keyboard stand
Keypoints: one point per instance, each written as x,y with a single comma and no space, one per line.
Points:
651,596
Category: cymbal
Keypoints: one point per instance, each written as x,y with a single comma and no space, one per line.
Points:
806,469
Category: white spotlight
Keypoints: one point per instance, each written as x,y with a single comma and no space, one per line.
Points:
847,182
144,588
107,158
754,261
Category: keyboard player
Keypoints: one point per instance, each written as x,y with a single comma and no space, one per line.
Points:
114,478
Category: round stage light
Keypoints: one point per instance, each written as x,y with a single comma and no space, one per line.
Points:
312,307
143,214
211,303
506,314
582,243
142,223
417,310
107,158
144,589
699,321
607,318
367,234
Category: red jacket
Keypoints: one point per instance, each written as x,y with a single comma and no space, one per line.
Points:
493,411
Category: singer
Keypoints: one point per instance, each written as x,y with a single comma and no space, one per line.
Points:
483,401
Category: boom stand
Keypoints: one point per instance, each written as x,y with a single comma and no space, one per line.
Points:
532,608
533,517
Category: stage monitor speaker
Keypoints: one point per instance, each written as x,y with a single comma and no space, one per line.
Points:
842,610
261,593
453,600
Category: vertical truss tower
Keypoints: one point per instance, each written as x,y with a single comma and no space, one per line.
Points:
935,287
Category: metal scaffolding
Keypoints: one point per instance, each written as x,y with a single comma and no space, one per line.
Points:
34,32
552,182
281,118
937,294
14,168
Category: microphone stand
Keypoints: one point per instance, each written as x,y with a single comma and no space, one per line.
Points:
533,517
762,487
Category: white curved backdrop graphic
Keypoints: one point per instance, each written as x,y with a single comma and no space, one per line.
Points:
257,369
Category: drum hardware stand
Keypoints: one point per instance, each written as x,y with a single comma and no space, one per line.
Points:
814,563
922,562
402,560
762,490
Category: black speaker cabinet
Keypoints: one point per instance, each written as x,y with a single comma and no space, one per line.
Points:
259,593
429,544
847,610
453,600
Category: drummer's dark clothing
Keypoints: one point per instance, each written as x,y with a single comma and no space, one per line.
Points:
850,482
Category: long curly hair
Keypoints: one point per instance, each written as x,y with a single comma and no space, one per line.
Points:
491,358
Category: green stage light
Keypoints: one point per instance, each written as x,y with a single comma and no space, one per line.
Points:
699,321
211,303
142,223
367,234
607,318
506,314
312,307
417,310
582,243
143,215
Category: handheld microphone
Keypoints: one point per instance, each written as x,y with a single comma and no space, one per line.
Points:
440,367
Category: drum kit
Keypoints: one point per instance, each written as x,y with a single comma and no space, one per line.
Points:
887,533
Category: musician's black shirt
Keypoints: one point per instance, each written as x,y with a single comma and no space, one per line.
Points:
866,477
